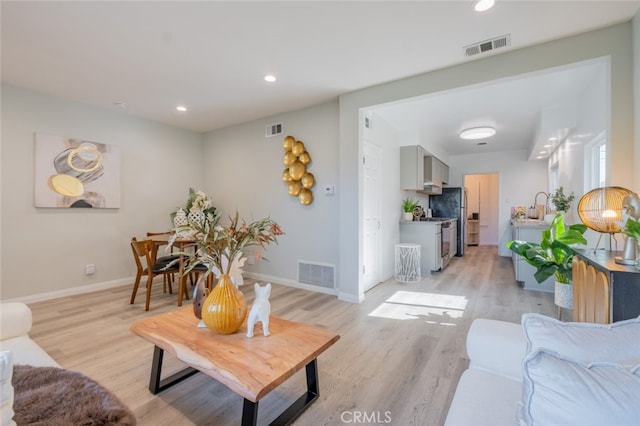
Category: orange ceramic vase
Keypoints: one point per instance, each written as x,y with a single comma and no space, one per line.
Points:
225,309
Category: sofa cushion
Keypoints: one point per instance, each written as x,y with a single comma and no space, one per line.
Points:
497,347
560,391
484,399
583,341
26,351
16,320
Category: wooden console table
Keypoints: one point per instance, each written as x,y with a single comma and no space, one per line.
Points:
604,291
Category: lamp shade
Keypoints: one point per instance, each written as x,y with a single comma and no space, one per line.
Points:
601,208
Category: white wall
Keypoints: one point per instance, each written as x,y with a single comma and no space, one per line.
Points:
45,250
519,181
636,97
243,171
615,41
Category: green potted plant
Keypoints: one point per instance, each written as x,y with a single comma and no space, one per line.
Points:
553,256
561,202
408,204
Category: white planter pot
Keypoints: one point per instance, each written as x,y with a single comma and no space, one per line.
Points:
408,216
564,295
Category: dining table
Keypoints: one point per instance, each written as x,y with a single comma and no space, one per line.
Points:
180,243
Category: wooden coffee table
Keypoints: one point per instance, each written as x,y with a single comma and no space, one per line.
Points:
250,367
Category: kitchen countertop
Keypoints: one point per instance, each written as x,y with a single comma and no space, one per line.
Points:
438,221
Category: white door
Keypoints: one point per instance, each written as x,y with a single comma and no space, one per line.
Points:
371,203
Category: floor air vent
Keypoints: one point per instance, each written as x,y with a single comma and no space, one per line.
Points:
320,274
488,45
273,130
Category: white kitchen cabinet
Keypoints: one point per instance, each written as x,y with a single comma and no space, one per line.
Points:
523,271
412,167
429,236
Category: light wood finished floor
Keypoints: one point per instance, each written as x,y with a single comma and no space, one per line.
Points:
398,360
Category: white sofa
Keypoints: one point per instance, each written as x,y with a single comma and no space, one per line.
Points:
522,374
16,347
15,325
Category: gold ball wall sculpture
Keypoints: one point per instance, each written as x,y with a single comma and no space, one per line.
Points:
289,158
299,181
305,197
288,143
308,180
304,158
297,170
286,177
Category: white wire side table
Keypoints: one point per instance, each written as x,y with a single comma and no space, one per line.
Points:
407,266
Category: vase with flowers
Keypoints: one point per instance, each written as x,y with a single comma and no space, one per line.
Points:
221,250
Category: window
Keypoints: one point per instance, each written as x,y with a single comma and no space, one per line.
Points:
554,177
595,168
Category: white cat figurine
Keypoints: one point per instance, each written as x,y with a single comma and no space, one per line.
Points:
260,309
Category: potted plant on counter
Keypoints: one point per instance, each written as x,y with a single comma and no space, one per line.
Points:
561,202
553,256
408,204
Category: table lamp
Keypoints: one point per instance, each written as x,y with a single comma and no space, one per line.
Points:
601,209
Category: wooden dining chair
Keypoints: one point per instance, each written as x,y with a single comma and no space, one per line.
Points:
164,259
143,254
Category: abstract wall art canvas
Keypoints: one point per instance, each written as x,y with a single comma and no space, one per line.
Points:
76,173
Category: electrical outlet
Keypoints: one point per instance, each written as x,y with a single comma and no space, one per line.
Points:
251,260
89,269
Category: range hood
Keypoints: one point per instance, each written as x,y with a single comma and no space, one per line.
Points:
431,188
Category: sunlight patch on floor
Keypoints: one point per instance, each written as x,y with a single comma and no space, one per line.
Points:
431,307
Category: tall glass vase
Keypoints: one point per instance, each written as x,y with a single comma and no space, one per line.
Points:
225,309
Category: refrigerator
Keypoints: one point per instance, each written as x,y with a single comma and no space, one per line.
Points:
452,203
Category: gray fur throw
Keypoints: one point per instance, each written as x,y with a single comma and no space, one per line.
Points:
56,397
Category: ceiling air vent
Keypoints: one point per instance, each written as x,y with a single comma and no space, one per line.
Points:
273,130
487,45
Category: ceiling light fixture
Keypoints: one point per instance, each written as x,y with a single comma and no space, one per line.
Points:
478,133
181,108
482,5
269,78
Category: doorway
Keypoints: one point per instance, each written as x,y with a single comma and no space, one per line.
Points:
483,195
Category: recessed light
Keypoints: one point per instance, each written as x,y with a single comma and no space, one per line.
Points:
553,139
482,5
543,152
547,146
477,133
181,108
270,78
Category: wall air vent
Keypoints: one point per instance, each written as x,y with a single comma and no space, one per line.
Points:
313,273
487,45
273,130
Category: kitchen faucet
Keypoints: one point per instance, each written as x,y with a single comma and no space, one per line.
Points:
546,203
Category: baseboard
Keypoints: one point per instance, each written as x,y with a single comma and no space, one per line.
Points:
41,297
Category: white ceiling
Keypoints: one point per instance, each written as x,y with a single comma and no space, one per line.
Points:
212,56
525,110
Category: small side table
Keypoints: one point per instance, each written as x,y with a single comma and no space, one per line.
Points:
407,267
